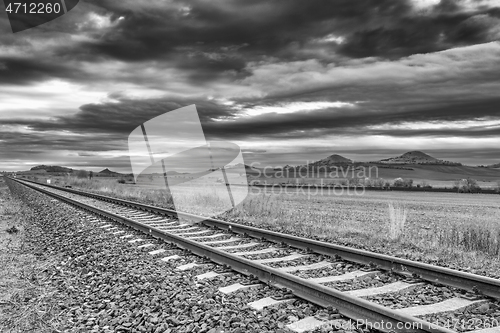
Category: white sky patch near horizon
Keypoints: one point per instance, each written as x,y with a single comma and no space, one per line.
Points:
49,98
293,107
465,124
344,144
351,142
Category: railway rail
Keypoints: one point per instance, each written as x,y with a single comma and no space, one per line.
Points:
319,272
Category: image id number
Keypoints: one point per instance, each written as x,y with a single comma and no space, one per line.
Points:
33,8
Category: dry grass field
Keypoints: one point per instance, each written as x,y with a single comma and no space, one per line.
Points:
25,298
445,228
461,230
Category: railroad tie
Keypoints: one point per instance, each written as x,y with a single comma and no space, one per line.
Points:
268,301
172,257
155,252
343,277
452,304
388,288
145,245
238,286
280,259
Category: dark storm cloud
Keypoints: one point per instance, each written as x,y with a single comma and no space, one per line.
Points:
347,121
208,39
121,118
40,143
208,45
447,25
22,71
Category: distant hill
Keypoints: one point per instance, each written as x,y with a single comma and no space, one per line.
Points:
107,172
51,168
416,157
332,160
494,166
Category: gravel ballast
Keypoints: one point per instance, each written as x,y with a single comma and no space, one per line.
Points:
124,287
106,284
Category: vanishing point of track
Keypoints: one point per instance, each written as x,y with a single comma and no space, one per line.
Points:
204,239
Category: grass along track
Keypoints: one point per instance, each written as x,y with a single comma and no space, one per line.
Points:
316,264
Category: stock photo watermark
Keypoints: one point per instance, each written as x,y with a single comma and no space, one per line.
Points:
24,15
171,152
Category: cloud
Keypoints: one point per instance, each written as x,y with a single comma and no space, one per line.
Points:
261,73
23,71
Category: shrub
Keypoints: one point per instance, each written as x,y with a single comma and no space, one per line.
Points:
407,182
81,174
121,181
354,181
471,238
344,182
467,185
425,184
378,182
367,182
397,220
399,182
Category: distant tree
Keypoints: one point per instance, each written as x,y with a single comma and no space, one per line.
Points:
425,184
81,174
399,182
354,181
466,185
91,175
378,182
367,182
408,182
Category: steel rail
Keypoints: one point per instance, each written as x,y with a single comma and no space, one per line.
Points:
384,319
485,286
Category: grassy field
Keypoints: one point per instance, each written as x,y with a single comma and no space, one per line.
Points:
434,225
449,229
461,230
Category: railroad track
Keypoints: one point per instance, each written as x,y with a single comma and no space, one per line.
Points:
374,290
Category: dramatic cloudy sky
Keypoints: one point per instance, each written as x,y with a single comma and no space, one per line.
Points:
288,81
